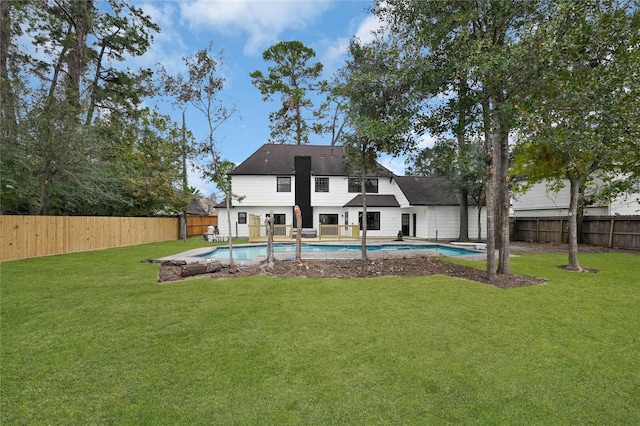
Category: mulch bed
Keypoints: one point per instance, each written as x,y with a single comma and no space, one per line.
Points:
396,267
406,267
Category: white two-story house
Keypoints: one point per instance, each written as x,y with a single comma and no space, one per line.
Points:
275,178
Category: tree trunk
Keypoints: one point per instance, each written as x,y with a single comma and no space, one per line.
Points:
364,215
464,193
228,196
492,276
479,223
7,98
464,216
93,96
185,182
200,268
574,265
78,56
268,222
504,262
580,213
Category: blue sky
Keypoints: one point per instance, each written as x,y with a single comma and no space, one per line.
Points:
243,29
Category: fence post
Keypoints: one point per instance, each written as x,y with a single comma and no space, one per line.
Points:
611,226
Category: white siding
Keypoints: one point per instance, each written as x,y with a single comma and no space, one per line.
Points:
337,196
317,211
626,205
387,185
390,220
261,191
402,199
242,230
443,222
443,219
473,223
541,202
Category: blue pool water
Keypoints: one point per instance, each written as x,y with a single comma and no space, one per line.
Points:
255,251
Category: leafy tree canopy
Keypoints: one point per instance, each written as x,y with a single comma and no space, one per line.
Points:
295,81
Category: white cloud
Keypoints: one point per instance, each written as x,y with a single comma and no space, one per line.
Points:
368,28
333,55
263,21
336,50
168,45
426,140
195,180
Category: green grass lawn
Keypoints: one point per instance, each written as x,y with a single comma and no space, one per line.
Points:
91,338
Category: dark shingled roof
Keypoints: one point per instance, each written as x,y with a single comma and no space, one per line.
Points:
426,191
272,159
374,201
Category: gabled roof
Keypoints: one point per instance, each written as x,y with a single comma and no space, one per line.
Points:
201,207
426,191
278,159
374,201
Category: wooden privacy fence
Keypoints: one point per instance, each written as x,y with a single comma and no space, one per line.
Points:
197,225
605,231
34,236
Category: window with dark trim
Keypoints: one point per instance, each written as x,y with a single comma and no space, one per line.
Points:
373,221
328,219
370,186
284,184
322,184
242,217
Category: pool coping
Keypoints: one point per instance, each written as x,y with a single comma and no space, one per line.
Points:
194,255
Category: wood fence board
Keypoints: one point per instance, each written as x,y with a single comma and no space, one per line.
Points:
197,225
33,236
596,230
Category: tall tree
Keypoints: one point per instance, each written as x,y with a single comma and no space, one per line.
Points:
337,121
461,166
456,116
294,80
378,111
7,95
475,48
201,88
153,169
124,31
222,178
52,155
581,117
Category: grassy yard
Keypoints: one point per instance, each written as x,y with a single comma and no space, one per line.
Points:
92,338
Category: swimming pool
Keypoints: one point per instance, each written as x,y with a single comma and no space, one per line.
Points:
254,251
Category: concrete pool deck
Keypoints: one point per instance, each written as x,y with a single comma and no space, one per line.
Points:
195,255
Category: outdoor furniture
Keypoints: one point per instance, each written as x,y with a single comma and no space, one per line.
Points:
306,232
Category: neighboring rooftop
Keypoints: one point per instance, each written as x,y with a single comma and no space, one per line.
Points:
201,207
278,159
